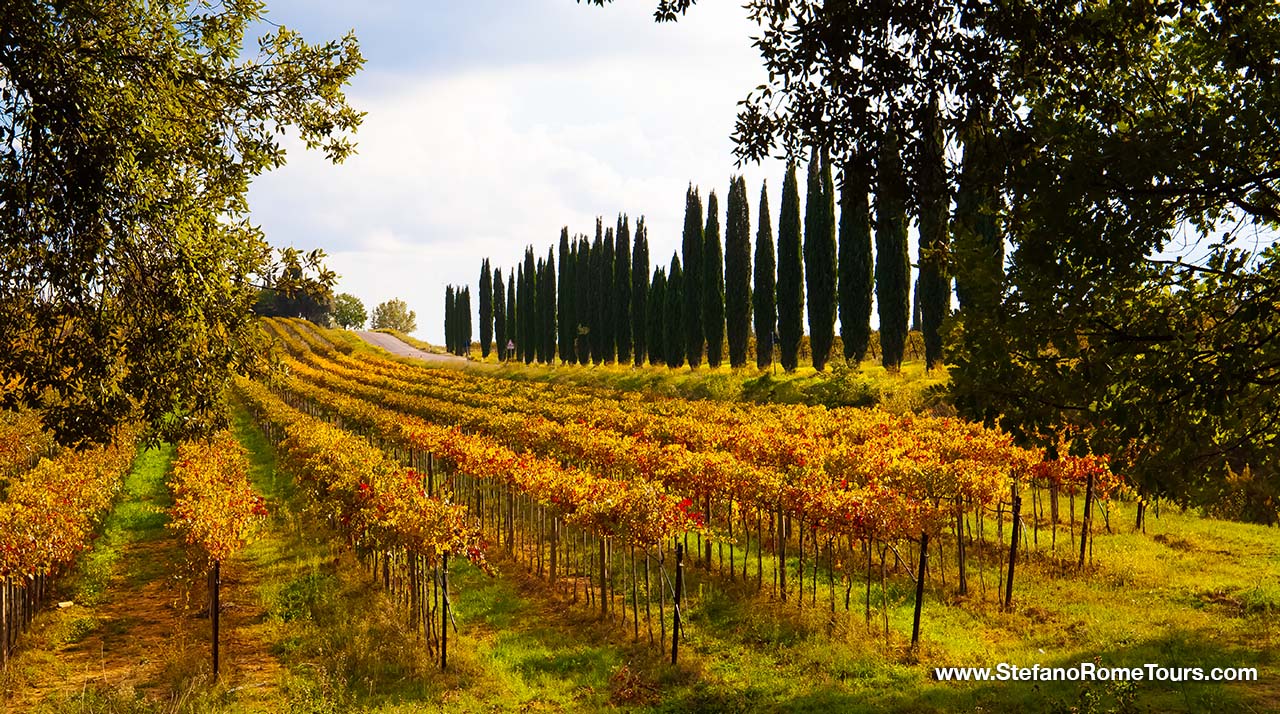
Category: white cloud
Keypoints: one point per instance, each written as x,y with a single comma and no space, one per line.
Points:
454,167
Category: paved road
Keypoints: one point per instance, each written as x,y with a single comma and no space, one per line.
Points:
396,347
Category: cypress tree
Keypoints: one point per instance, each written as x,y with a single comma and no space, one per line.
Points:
464,344
656,303
512,316
583,307
857,266
549,309
597,311
978,244
915,304
790,274
737,273
622,289
713,284
893,265
690,289
673,314
763,296
640,292
448,319
820,259
933,286
499,315
539,309
529,310
517,317
565,321
486,308
608,333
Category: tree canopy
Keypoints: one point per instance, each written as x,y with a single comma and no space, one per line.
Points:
129,133
395,314
349,312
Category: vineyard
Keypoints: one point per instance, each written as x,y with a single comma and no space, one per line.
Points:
663,526
962,393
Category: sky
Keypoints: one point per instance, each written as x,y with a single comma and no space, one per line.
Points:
491,124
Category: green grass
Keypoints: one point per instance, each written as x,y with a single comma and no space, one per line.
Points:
139,516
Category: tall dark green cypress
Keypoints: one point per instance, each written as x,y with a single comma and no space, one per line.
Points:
915,304
640,292
857,265
656,304
690,288
977,243
465,323
549,334
933,287
622,289
597,311
609,337
583,307
486,308
539,308
512,315
737,273
565,321
448,319
790,274
529,309
713,284
820,259
499,315
763,296
673,314
893,264
517,317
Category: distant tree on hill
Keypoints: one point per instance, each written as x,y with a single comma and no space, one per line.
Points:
349,312
395,314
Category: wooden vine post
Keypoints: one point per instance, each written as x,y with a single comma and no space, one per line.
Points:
679,594
444,612
1087,522
960,538
920,575
1016,509
215,608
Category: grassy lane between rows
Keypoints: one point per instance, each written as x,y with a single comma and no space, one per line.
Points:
116,636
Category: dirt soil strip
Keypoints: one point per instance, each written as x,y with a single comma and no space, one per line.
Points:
134,634
393,345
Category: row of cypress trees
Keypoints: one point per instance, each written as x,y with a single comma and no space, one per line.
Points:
604,305
457,319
